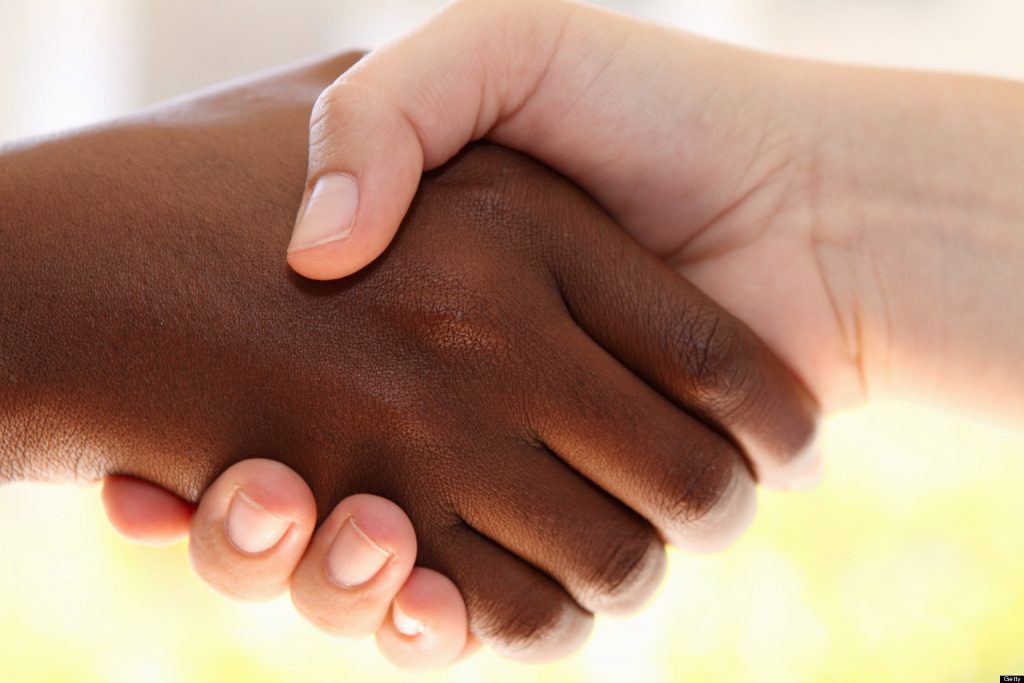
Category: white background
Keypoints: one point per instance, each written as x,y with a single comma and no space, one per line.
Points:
67,62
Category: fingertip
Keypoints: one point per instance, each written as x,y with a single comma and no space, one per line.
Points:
273,485
428,627
341,255
251,528
327,213
145,513
357,562
324,261
724,522
565,638
638,589
802,471
811,475
471,648
383,521
365,164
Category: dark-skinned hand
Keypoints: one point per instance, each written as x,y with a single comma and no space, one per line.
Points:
546,400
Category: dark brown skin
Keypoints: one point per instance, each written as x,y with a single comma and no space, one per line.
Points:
509,371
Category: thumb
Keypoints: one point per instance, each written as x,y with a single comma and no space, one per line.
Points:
411,106
145,513
365,164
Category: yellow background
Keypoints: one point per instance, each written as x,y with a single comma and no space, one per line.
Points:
906,564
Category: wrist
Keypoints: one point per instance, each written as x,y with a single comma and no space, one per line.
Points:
141,278
103,320
37,281
920,222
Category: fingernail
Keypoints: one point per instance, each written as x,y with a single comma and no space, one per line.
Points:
251,527
354,558
328,214
406,625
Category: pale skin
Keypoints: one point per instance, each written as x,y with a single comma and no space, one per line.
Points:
866,223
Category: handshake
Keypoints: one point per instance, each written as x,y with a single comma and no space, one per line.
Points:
519,393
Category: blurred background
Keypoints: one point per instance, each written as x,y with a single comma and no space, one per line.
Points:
906,564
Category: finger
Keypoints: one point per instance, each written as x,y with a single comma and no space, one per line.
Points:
810,478
145,513
471,648
683,477
513,608
390,116
251,528
696,354
358,560
602,553
428,624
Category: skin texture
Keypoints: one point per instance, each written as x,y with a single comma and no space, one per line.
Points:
866,223
541,396
145,513
891,199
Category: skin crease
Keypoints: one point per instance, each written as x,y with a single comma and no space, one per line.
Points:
866,223
478,375
891,197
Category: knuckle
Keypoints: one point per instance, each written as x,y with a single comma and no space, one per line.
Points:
337,97
530,627
494,181
627,573
323,112
338,112
698,486
460,324
465,323
513,196
713,355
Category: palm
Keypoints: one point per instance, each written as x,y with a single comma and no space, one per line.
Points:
768,267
